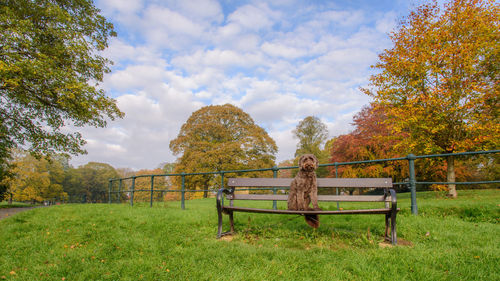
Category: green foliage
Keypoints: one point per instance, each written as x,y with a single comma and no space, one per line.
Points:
90,181
220,138
312,134
117,242
50,68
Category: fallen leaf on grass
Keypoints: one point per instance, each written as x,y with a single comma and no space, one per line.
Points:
227,238
385,245
12,272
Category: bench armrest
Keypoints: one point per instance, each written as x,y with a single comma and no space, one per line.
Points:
394,204
220,197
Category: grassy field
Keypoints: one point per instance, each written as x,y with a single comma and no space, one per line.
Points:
6,205
449,240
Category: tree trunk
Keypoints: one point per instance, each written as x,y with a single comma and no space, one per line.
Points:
205,188
450,162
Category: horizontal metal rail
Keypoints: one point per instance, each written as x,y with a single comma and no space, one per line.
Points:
411,183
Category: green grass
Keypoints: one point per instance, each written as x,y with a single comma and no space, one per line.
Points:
6,205
449,240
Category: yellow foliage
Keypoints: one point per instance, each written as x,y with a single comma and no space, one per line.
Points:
439,187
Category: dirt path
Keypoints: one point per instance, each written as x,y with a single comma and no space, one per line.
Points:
5,213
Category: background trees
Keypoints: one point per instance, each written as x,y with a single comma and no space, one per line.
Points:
144,183
371,139
50,68
36,180
220,138
439,82
90,182
312,135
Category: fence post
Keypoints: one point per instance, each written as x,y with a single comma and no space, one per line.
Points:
336,188
183,190
275,175
120,191
132,192
222,179
413,185
109,193
152,186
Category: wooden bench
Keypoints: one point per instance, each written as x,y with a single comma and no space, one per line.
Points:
389,208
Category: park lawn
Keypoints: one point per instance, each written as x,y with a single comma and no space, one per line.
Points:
449,240
6,205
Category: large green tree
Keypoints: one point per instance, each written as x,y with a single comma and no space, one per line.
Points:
439,83
221,138
50,69
312,135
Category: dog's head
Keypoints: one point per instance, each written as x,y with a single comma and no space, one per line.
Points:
308,162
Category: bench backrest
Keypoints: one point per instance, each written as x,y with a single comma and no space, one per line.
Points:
322,182
384,183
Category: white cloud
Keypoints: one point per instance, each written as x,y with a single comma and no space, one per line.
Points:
171,22
253,17
279,62
121,6
202,9
281,50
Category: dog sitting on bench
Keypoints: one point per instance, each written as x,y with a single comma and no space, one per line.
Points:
304,189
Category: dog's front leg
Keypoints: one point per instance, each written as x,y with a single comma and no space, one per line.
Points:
314,199
300,200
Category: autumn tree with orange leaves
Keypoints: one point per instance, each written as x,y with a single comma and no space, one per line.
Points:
439,83
371,139
220,138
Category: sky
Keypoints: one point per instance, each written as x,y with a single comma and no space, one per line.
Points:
280,61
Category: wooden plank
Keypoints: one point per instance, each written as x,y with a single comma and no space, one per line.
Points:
322,182
338,212
355,182
331,198
259,182
263,197
354,198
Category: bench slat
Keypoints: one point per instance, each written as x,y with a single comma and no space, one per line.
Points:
322,182
333,198
338,212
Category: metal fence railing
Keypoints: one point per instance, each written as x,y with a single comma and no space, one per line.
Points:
116,186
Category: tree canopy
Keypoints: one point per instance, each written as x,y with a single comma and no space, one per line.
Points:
50,70
90,182
36,180
221,138
439,82
312,134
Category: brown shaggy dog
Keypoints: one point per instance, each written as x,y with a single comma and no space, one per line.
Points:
304,189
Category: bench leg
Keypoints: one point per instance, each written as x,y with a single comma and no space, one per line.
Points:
219,228
387,227
231,221
394,238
